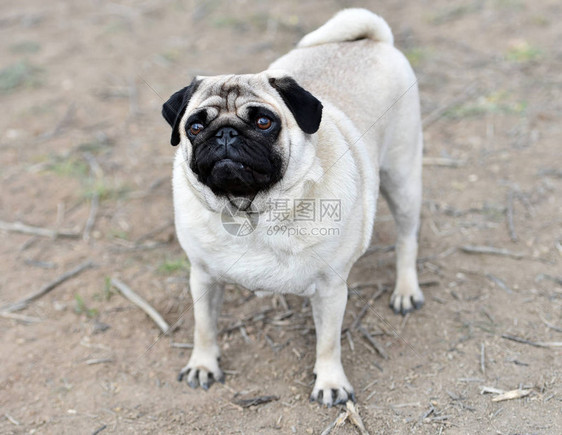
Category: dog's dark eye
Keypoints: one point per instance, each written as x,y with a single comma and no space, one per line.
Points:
196,128
263,122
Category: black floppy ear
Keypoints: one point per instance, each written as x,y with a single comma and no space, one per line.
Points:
306,108
174,108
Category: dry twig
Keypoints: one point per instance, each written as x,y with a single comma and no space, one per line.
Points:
133,97
551,325
376,345
182,345
499,282
546,344
442,161
61,125
141,303
99,429
94,205
20,305
95,168
381,249
20,317
440,111
509,215
542,276
244,334
19,227
97,172
471,249
363,311
255,401
470,380
169,223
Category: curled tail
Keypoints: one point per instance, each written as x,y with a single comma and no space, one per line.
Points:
350,25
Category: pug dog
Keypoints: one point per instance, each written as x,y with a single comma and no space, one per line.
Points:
335,119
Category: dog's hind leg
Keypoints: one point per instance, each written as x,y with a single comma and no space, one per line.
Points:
401,186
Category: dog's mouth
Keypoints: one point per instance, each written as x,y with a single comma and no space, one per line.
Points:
236,178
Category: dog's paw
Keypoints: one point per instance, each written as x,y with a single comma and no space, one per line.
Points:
202,370
332,389
406,298
332,396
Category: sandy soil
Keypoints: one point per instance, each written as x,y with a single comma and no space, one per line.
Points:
81,86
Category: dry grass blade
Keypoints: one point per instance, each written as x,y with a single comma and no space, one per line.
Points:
141,303
510,395
355,418
491,390
20,305
12,419
350,340
336,423
91,362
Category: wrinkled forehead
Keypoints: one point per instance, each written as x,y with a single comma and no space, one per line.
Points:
231,93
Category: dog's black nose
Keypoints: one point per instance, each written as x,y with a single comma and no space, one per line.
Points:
226,135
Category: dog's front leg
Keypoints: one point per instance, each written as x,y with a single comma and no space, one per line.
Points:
203,366
328,308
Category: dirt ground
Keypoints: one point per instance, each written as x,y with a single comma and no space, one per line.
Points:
81,87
